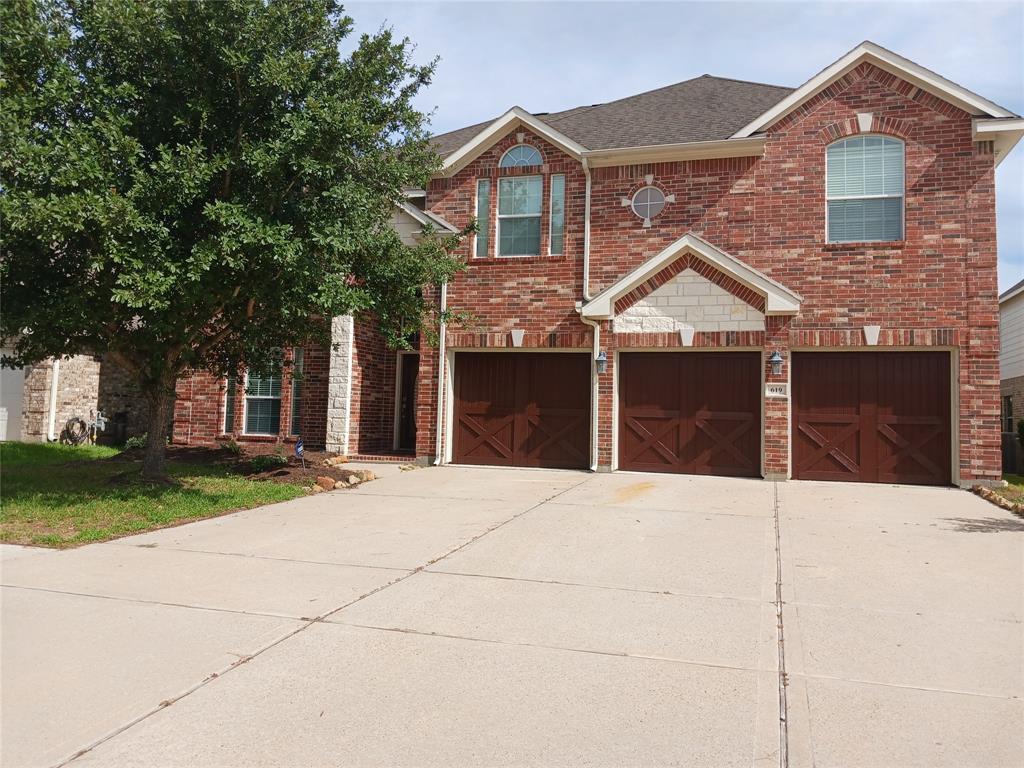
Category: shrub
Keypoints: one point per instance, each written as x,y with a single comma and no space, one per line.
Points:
234,447
268,461
1020,432
137,441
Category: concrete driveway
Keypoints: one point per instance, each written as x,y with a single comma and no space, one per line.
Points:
460,617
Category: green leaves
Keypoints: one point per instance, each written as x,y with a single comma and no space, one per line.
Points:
194,183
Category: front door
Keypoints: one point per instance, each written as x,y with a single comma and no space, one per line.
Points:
409,368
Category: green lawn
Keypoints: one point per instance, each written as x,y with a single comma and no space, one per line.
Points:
60,496
1015,491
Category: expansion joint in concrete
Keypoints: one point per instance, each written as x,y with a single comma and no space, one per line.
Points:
783,682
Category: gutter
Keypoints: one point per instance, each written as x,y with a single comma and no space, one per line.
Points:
52,417
596,325
438,442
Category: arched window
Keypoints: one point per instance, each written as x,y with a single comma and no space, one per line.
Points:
520,156
864,189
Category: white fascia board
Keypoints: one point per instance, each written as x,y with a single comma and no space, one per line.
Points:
690,150
891,62
779,300
512,119
1015,291
427,219
1004,133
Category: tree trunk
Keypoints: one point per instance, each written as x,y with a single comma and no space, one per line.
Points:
154,461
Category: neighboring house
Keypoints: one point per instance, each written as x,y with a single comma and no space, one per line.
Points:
1011,356
717,277
37,401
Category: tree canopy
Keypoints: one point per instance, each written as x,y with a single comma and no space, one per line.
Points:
197,184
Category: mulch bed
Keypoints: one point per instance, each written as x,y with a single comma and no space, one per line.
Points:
292,473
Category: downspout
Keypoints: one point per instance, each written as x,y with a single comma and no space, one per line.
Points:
52,417
592,323
438,442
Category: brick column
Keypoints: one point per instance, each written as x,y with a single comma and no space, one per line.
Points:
606,399
776,409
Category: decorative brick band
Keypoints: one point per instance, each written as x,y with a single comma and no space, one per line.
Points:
704,339
880,76
571,340
702,268
888,337
890,126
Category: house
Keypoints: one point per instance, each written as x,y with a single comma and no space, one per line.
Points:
36,401
718,277
1011,373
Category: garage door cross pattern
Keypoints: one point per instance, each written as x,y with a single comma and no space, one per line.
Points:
877,416
690,412
524,409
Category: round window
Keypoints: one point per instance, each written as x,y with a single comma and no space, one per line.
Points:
648,202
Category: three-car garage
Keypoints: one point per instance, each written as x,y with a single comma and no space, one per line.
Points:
865,416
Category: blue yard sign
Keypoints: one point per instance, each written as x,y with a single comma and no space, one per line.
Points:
300,451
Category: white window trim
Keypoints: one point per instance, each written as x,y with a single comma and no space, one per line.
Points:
499,216
224,404
903,207
245,410
647,219
297,352
551,212
518,146
476,213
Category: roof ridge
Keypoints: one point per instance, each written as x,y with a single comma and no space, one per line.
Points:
689,80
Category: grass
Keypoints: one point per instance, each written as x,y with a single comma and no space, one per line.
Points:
61,496
1015,491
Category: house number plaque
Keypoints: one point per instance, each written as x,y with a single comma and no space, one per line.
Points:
776,390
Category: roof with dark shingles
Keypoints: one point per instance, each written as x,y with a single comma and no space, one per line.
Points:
705,108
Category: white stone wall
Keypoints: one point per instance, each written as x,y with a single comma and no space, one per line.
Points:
689,299
339,384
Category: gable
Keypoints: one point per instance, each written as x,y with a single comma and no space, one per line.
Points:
689,300
914,75
753,287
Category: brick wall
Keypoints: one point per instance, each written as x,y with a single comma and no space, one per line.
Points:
199,408
85,385
372,410
1014,388
936,287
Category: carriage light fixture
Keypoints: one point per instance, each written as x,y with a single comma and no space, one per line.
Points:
602,361
776,362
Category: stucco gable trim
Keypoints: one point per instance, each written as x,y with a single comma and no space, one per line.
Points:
778,299
886,60
515,117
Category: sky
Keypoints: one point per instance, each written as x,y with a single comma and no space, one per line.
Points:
549,56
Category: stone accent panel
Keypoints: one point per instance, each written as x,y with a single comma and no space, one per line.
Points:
689,299
339,384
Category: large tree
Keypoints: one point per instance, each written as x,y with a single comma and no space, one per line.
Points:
202,183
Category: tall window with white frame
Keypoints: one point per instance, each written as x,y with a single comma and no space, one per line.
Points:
864,189
262,403
483,216
556,236
298,360
519,211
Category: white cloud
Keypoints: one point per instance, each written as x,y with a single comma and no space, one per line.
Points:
551,56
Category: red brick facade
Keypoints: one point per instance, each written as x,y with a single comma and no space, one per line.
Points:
934,288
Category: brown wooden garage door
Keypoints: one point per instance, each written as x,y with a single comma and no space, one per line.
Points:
522,409
691,412
872,417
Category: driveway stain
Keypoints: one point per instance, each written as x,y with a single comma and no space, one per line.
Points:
631,492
